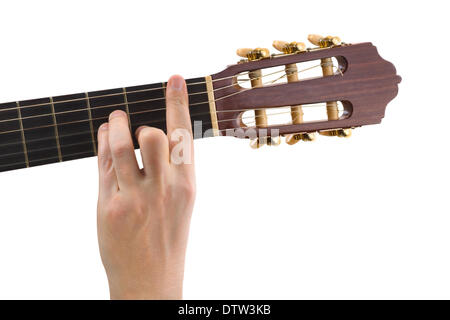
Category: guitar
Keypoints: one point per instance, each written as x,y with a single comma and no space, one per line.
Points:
329,88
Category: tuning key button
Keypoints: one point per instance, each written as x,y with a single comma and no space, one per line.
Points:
341,133
253,54
345,133
315,39
324,42
280,45
292,139
289,47
273,141
261,141
257,143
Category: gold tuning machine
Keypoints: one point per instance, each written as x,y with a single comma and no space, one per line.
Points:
289,47
324,42
327,70
256,82
292,139
253,54
270,141
341,133
292,76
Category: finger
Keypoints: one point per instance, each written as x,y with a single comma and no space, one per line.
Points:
177,111
154,150
122,150
107,176
179,128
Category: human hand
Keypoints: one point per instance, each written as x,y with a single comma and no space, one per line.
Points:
144,215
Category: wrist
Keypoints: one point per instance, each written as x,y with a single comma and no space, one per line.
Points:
153,288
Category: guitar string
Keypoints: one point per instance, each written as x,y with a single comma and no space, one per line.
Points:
129,92
159,121
137,112
134,102
119,93
316,105
51,138
91,153
143,90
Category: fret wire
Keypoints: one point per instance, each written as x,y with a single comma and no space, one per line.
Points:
147,100
163,84
22,132
56,129
91,126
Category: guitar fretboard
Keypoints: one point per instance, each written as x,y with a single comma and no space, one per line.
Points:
55,129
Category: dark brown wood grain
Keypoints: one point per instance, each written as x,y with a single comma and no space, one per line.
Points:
366,86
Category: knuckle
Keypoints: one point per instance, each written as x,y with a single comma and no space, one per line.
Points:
120,149
151,136
105,162
119,210
183,190
116,210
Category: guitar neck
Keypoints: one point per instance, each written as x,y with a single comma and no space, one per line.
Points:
55,129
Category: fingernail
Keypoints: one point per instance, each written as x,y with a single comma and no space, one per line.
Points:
115,114
104,126
139,130
176,83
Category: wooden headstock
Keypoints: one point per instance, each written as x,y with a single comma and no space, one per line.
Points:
362,81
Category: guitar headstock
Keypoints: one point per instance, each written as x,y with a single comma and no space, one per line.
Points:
330,88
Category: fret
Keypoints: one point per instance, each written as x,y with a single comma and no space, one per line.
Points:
22,133
39,131
147,106
91,126
142,99
199,105
126,105
73,126
56,129
102,103
12,151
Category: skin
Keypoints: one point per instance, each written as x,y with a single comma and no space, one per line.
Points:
144,214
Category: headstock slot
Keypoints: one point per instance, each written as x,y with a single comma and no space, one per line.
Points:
277,75
281,116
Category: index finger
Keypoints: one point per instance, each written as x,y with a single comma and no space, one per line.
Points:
179,127
177,102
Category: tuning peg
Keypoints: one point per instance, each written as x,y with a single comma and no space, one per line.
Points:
341,133
286,47
243,52
315,39
253,54
292,139
257,143
261,141
274,141
324,42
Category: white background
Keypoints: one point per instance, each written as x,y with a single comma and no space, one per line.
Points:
366,217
